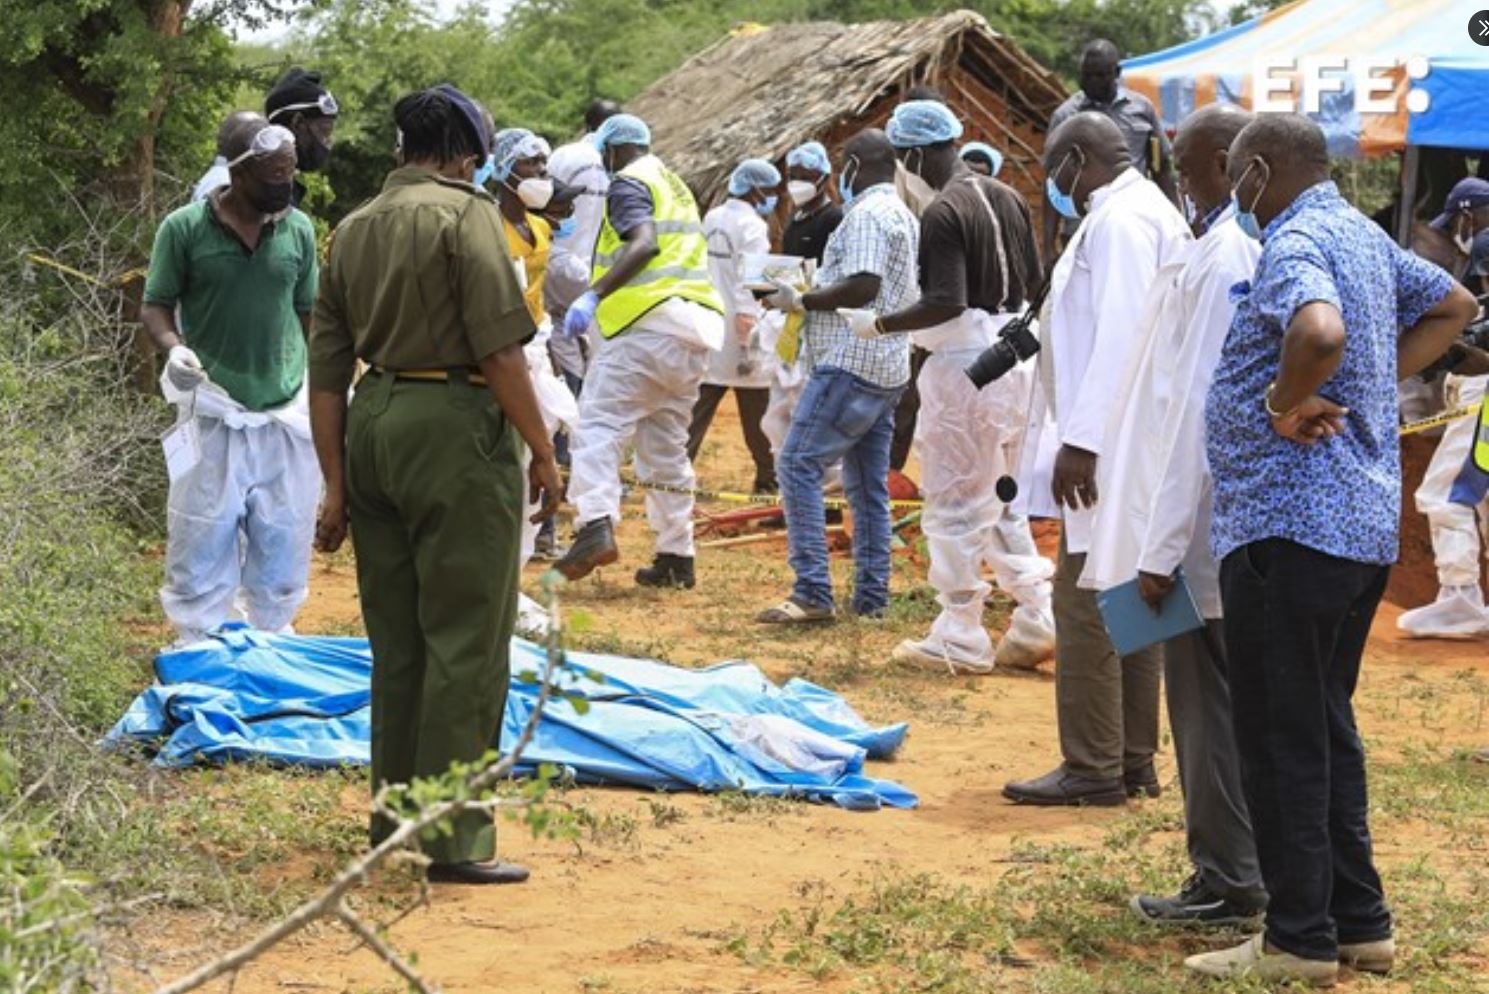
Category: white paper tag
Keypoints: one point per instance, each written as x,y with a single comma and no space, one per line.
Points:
183,449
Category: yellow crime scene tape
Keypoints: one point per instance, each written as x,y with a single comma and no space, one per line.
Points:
63,267
730,497
1446,417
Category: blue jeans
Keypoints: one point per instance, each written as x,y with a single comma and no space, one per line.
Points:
838,417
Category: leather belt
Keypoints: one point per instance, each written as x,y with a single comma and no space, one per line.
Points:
471,376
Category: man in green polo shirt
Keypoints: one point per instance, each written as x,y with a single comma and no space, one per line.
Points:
232,282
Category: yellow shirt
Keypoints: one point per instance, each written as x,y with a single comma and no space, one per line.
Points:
534,259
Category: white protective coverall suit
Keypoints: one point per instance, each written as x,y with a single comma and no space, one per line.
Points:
240,522
967,438
1459,610
642,387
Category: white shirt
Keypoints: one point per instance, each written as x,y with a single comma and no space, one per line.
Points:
733,229
1154,479
1098,293
214,177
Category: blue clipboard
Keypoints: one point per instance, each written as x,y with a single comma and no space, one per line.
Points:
1134,626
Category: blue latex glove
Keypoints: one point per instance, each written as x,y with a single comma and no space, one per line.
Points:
581,312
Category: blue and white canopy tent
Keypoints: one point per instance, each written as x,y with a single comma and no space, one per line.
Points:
1432,38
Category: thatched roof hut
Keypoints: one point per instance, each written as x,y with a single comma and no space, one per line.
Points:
763,90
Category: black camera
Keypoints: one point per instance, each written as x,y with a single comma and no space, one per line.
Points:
1015,344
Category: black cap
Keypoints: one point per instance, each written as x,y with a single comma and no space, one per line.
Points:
301,90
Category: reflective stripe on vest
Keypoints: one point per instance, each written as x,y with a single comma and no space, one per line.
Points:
680,267
1481,443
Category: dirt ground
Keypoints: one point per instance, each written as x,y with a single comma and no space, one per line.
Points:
649,903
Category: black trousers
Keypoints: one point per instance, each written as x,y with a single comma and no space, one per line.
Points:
1296,621
752,404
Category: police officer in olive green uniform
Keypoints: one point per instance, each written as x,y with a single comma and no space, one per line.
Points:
426,465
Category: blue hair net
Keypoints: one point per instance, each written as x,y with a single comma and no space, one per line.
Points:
992,155
512,144
810,156
922,122
622,129
751,174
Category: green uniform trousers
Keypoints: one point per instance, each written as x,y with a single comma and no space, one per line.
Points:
435,494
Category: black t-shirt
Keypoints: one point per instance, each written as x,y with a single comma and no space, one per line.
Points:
807,236
959,259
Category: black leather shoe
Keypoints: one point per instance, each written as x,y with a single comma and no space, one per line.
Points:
593,547
476,873
667,570
1142,780
1060,788
1197,905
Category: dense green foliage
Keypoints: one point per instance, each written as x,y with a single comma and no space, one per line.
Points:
546,59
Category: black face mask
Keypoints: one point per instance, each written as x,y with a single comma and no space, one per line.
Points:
311,155
271,198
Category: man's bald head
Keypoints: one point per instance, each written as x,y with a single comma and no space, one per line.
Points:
1085,153
871,149
1275,158
1201,148
1101,67
231,125
1290,143
1214,126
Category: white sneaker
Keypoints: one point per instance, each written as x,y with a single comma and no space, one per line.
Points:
935,654
1458,613
1029,641
1369,957
1252,959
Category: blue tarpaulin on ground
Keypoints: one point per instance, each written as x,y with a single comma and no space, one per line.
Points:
245,695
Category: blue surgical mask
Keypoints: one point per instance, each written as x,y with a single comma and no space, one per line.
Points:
483,174
1247,219
1064,203
767,207
565,228
845,186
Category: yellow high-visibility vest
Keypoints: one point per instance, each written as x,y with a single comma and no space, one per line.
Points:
679,269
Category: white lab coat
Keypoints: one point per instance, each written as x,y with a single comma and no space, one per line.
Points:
733,229
1097,294
1153,478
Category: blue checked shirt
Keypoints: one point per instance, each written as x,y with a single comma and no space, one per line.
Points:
878,235
1341,496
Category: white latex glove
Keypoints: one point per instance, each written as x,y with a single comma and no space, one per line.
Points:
786,298
865,324
184,369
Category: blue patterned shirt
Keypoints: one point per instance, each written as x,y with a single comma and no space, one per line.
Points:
1341,496
878,235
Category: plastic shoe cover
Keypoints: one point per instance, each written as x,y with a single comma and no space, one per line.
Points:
1029,641
1458,613
933,653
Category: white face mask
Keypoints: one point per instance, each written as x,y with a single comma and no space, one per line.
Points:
914,191
535,193
801,192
